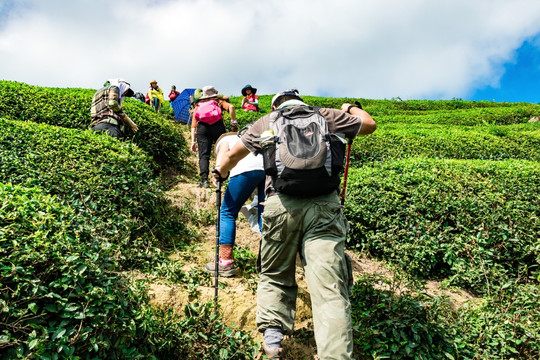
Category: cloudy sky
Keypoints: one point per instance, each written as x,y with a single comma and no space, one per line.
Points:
379,49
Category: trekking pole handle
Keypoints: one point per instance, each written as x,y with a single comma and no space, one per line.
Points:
220,177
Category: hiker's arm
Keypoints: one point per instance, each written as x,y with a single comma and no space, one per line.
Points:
129,122
193,131
255,101
227,106
222,149
368,124
114,102
226,161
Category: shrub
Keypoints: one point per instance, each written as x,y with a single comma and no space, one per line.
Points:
504,115
475,222
106,181
62,297
504,325
397,141
390,320
159,137
408,325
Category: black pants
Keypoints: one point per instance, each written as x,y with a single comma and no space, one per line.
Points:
111,129
207,136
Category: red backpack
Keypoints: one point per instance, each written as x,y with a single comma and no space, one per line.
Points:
208,112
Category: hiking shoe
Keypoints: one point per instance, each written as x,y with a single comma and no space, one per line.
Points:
204,184
274,353
225,271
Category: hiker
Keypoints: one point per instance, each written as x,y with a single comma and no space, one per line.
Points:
173,94
139,96
250,101
193,100
106,110
207,126
247,176
302,213
154,96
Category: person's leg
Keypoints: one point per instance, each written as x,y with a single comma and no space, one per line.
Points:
277,288
205,147
326,271
238,191
113,130
156,104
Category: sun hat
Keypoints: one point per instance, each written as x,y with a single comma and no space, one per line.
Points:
289,92
208,92
153,82
253,90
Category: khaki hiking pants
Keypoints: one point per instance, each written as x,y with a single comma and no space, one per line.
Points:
316,227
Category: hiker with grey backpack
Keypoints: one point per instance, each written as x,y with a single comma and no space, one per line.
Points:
303,149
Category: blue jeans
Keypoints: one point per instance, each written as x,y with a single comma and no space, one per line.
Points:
238,191
156,104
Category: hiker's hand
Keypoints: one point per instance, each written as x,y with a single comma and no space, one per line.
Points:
217,176
345,107
234,126
126,120
194,147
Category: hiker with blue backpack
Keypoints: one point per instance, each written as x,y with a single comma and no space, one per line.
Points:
207,126
303,149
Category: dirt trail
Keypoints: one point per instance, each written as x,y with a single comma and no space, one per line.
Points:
238,296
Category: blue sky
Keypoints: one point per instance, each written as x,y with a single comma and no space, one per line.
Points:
379,49
520,80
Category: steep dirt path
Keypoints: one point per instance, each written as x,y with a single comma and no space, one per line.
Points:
237,296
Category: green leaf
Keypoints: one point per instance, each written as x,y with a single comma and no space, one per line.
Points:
33,307
58,333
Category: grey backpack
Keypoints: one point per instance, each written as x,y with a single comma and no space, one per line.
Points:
303,158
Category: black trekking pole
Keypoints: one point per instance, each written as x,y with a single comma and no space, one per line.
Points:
218,205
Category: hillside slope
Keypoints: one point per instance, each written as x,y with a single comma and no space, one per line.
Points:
237,295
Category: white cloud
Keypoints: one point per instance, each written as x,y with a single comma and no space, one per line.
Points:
371,49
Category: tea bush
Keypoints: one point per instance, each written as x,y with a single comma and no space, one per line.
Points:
62,296
393,324
109,183
397,141
69,107
504,325
474,222
441,112
507,115
397,319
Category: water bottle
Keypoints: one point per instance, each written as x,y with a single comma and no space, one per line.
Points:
268,145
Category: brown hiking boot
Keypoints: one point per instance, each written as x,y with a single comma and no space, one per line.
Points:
225,271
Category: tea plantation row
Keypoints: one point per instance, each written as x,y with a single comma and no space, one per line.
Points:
443,190
78,209
70,108
62,296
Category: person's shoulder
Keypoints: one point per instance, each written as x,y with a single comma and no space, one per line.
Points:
329,111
